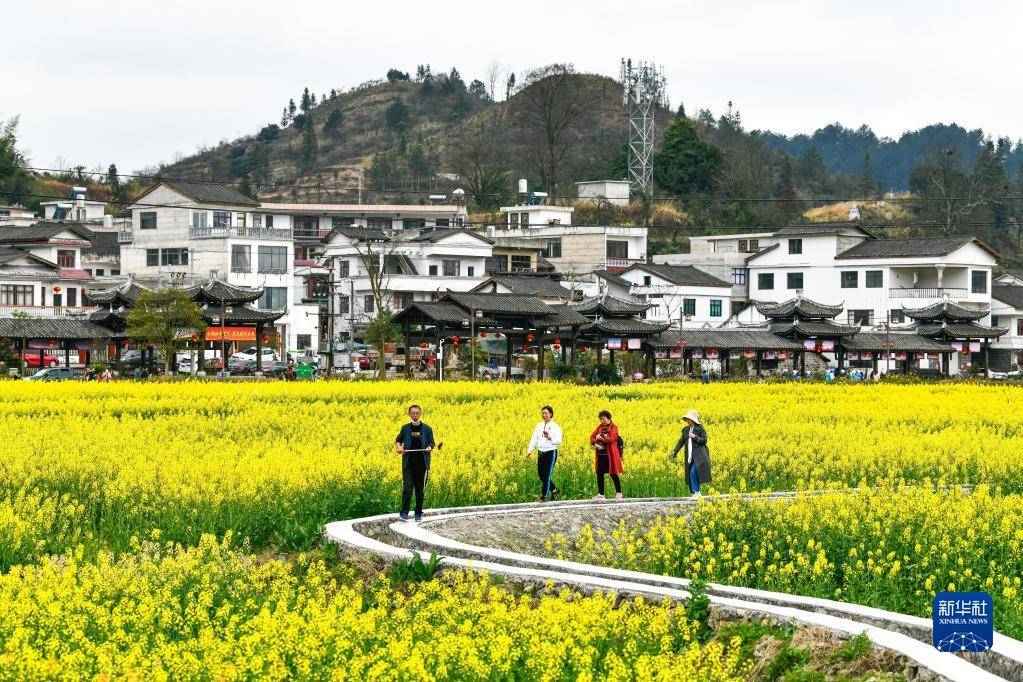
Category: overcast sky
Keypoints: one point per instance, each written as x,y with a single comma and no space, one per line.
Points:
136,82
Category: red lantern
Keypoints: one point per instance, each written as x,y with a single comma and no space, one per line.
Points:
497,335
483,335
53,342
195,337
557,342
56,290
557,347
266,337
529,337
455,339
423,346
582,349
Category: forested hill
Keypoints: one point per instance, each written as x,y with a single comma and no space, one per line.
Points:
892,161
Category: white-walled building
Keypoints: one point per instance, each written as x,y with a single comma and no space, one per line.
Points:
722,255
614,192
1007,311
187,232
416,266
680,292
14,212
41,273
872,278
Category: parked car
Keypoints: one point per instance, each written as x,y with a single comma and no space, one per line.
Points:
56,374
1015,375
270,368
250,354
48,359
185,364
133,358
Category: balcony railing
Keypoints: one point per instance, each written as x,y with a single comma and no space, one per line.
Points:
47,311
934,292
125,236
243,232
621,263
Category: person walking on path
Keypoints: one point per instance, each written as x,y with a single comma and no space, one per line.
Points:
414,443
697,456
546,440
604,440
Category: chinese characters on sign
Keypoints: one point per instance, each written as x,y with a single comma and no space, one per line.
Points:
963,621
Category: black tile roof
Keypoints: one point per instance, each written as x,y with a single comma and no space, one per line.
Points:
913,343
438,311
514,304
730,339
612,277
56,328
805,307
627,326
242,314
7,254
810,229
443,233
533,286
610,305
1007,293
824,328
41,231
205,193
908,248
959,330
562,315
126,294
946,310
217,291
362,234
684,275
104,244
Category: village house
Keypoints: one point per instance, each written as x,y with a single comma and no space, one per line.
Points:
41,271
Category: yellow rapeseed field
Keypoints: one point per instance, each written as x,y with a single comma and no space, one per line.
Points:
138,518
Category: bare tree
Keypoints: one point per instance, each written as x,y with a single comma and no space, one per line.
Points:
947,194
492,75
376,254
481,159
551,111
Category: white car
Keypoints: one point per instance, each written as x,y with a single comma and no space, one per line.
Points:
269,355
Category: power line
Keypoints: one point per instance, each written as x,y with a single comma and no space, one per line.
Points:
656,199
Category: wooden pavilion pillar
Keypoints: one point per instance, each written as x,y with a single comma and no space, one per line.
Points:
259,350
600,355
67,355
200,370
540,353
987,359
760,354
406,332
118,355
441,352
651,364
840,355
575,340
508,357
802,363
564,353
726,363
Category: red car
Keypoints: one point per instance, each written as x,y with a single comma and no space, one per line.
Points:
49,359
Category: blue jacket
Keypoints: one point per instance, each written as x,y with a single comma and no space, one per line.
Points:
405,438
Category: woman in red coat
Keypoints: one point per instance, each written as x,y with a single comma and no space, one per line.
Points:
609,458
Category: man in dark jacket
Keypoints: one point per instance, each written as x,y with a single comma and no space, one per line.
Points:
697,456
414,443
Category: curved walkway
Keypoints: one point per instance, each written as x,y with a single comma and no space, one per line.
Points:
386,536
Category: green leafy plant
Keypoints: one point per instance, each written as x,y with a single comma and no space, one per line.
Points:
414,569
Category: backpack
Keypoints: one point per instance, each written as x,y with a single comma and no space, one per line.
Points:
621,447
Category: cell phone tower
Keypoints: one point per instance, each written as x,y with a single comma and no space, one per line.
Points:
644,88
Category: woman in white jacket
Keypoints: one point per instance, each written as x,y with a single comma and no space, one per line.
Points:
546,440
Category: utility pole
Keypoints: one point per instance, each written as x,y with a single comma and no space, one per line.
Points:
330,317
472,342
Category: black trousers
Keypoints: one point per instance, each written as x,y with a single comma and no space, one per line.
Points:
603,465
545,470
414,481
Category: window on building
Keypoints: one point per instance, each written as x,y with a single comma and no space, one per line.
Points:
413,224
1019,327
617,249
513,219
754,245
994,320
344,304
738,275
58,300
743,246
369,304
433,271
304,341
452,268
152,258
269,221
647,280
221,219
199,219
239,219
115,273
496,264
147,220
863,318
850,279
344,268
875,279
401,300
338,221
442,222
897,315
765,280
241,258
524,219
273,259
379,223
16,294
257,220
715,307
470,271
519,263
72,297
66,258
173,256
553,249
100,272
274,298
978,280
795,280
688,306
795,246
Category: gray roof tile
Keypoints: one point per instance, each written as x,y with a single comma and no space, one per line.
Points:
1011,294
684,275
907,248
946,310
730,339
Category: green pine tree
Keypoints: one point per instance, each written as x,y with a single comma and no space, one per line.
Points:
309,152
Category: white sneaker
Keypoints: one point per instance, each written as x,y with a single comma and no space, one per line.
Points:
598,496
697,494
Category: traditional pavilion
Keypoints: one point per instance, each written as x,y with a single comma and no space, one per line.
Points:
905,349
809,324
229,317
62,334
615,324
521,321
722,344
114,304
957,326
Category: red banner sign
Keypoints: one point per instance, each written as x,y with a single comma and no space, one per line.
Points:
231,334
